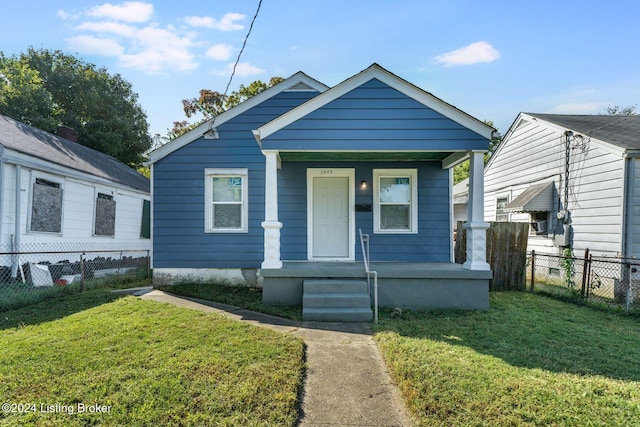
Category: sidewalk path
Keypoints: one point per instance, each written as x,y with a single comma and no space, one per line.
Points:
346,382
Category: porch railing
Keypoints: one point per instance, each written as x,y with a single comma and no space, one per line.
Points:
364,242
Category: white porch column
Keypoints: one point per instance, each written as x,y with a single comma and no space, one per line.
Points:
475,225
271,224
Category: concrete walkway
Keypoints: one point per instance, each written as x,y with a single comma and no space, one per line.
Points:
346,382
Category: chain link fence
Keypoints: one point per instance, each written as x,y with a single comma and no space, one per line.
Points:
610,281
39,271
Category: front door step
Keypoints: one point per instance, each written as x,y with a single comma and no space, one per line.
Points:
336,300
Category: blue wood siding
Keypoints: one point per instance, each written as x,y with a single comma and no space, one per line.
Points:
375,116
431,244
179,240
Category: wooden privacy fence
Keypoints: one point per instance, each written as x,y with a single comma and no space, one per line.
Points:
506,253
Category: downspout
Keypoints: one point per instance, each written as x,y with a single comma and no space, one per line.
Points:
16,237
627,210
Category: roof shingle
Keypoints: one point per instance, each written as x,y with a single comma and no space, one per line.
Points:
26,139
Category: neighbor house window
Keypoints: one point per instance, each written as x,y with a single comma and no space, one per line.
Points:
105,217
501,214
226,200
46,207
539,222
395,200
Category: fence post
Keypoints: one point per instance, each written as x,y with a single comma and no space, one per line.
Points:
533,269
148,264
584,273
627,266
82,272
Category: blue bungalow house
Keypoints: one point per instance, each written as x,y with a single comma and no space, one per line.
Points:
278,191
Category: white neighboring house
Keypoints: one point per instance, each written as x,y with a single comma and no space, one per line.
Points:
575,178
460,201
58,195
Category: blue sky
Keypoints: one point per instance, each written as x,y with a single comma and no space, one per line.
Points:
491,59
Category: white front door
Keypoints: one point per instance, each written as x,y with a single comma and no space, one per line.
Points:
331,216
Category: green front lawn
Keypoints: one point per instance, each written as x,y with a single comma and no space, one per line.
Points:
144,364
248,298
528,360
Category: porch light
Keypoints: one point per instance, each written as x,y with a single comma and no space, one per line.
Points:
363,185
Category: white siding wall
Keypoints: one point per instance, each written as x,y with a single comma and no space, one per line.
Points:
535,153
79,199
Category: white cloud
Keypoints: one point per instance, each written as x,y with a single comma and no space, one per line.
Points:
474,53
227,23
125,31
108,27
129,11
95,45
578,108
243,69
219,52
156,49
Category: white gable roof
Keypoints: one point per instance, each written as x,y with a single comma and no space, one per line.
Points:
297,82
375,71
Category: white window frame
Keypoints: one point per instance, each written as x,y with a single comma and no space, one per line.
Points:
61,184
413,211
209,174
502,196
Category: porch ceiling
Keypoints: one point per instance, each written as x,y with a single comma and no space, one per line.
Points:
353,156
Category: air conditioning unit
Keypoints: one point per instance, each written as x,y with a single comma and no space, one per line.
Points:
539,227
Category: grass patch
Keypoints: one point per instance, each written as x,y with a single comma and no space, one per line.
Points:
152,364
528,360
245,297
16,294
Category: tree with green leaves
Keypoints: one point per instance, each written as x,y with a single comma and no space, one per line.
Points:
618,111
211,103
47,89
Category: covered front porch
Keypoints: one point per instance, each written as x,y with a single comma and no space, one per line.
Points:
400,284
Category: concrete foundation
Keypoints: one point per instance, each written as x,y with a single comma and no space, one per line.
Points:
415,286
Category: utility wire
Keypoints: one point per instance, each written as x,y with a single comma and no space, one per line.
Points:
233,72
235,65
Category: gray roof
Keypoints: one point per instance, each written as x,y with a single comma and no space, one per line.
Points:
623,131
26,139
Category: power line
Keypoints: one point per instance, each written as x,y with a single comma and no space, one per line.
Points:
233,72
235,65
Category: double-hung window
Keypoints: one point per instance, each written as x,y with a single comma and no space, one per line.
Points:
226,201
395,200
502,215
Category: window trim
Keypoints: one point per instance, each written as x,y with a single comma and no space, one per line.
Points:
60,181
498,197
209,173
413,210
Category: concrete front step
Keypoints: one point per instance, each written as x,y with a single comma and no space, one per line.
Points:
336,300
349,314
333,286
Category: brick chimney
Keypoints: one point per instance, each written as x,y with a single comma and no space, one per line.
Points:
67,133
